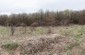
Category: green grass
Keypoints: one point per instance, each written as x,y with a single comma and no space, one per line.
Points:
4,31
74,30
10,46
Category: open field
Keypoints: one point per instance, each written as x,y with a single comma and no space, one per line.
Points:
62,40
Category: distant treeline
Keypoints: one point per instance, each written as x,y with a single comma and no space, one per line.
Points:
47,18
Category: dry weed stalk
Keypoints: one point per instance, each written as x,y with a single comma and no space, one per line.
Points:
12,29
49,30
23,29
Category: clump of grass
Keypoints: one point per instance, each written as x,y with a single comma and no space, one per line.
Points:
10,46
80,32
39,30
83,52
4,31
66,32
69,47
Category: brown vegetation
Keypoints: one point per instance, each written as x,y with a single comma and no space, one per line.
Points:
51,44
67,40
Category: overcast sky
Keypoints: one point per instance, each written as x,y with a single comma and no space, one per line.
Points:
30,6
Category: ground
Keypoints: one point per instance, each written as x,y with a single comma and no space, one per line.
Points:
61,40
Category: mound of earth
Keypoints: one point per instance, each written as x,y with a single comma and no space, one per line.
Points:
48,45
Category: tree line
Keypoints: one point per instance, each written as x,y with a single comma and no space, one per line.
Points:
48,18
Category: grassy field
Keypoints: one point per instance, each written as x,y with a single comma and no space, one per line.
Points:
64,40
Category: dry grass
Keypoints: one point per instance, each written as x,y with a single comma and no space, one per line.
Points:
62,40
50,44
